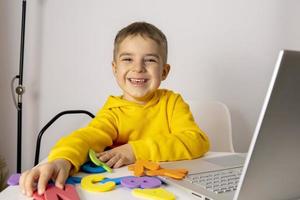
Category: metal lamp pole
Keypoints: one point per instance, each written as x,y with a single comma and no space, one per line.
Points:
19,90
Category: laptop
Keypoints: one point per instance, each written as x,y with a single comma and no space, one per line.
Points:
271,169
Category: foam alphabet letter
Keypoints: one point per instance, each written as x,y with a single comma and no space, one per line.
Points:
155,194
91,183
142,182
36,196
13,179
55,193
73,180
149,182
116,180
90,167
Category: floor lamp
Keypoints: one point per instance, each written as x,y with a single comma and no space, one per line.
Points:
19,90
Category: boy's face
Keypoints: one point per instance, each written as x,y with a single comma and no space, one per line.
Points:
139,69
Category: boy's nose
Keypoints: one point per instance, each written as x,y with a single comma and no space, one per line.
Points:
139,67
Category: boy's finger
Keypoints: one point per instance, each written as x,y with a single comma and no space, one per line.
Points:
30,181
111,162
107,156
120,163
61,178
44,178
22,181
100,154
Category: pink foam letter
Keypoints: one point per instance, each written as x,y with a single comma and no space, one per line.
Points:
69,193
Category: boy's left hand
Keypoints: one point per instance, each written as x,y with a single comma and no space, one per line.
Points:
118,157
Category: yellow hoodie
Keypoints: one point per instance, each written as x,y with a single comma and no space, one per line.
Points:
162,130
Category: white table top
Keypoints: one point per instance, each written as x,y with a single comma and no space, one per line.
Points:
14,192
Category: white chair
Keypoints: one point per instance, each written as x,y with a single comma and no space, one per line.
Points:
214,119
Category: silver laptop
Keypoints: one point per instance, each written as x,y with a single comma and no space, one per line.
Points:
271,169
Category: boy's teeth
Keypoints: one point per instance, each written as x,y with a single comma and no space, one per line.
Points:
139,80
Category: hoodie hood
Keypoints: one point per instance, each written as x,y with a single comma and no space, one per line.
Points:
118,101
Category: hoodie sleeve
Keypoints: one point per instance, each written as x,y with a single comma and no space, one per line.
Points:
185,140
98,134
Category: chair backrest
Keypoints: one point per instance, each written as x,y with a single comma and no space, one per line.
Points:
213,117
47,126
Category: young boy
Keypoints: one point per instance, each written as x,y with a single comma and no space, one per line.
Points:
144,123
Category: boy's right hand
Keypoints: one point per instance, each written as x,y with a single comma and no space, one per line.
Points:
38,176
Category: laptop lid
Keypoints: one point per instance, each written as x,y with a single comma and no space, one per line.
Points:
272,167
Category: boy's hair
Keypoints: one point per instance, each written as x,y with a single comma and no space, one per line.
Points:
143,29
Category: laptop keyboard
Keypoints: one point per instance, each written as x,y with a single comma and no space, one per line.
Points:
225,180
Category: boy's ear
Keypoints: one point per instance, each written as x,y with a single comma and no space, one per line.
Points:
114,67
165,72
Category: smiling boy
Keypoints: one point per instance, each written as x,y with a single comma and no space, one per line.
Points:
145,122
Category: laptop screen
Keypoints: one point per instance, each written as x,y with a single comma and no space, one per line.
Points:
272,166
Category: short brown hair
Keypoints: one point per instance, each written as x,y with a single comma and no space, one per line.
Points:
143,29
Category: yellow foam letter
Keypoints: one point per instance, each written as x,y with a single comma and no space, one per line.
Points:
91,183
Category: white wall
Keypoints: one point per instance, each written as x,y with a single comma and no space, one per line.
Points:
223,50
9,64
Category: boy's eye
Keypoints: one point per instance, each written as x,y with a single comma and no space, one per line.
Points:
150,60
126,59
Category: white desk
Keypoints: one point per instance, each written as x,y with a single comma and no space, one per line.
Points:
14,192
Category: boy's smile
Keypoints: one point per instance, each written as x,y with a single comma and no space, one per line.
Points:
137,81
139,69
